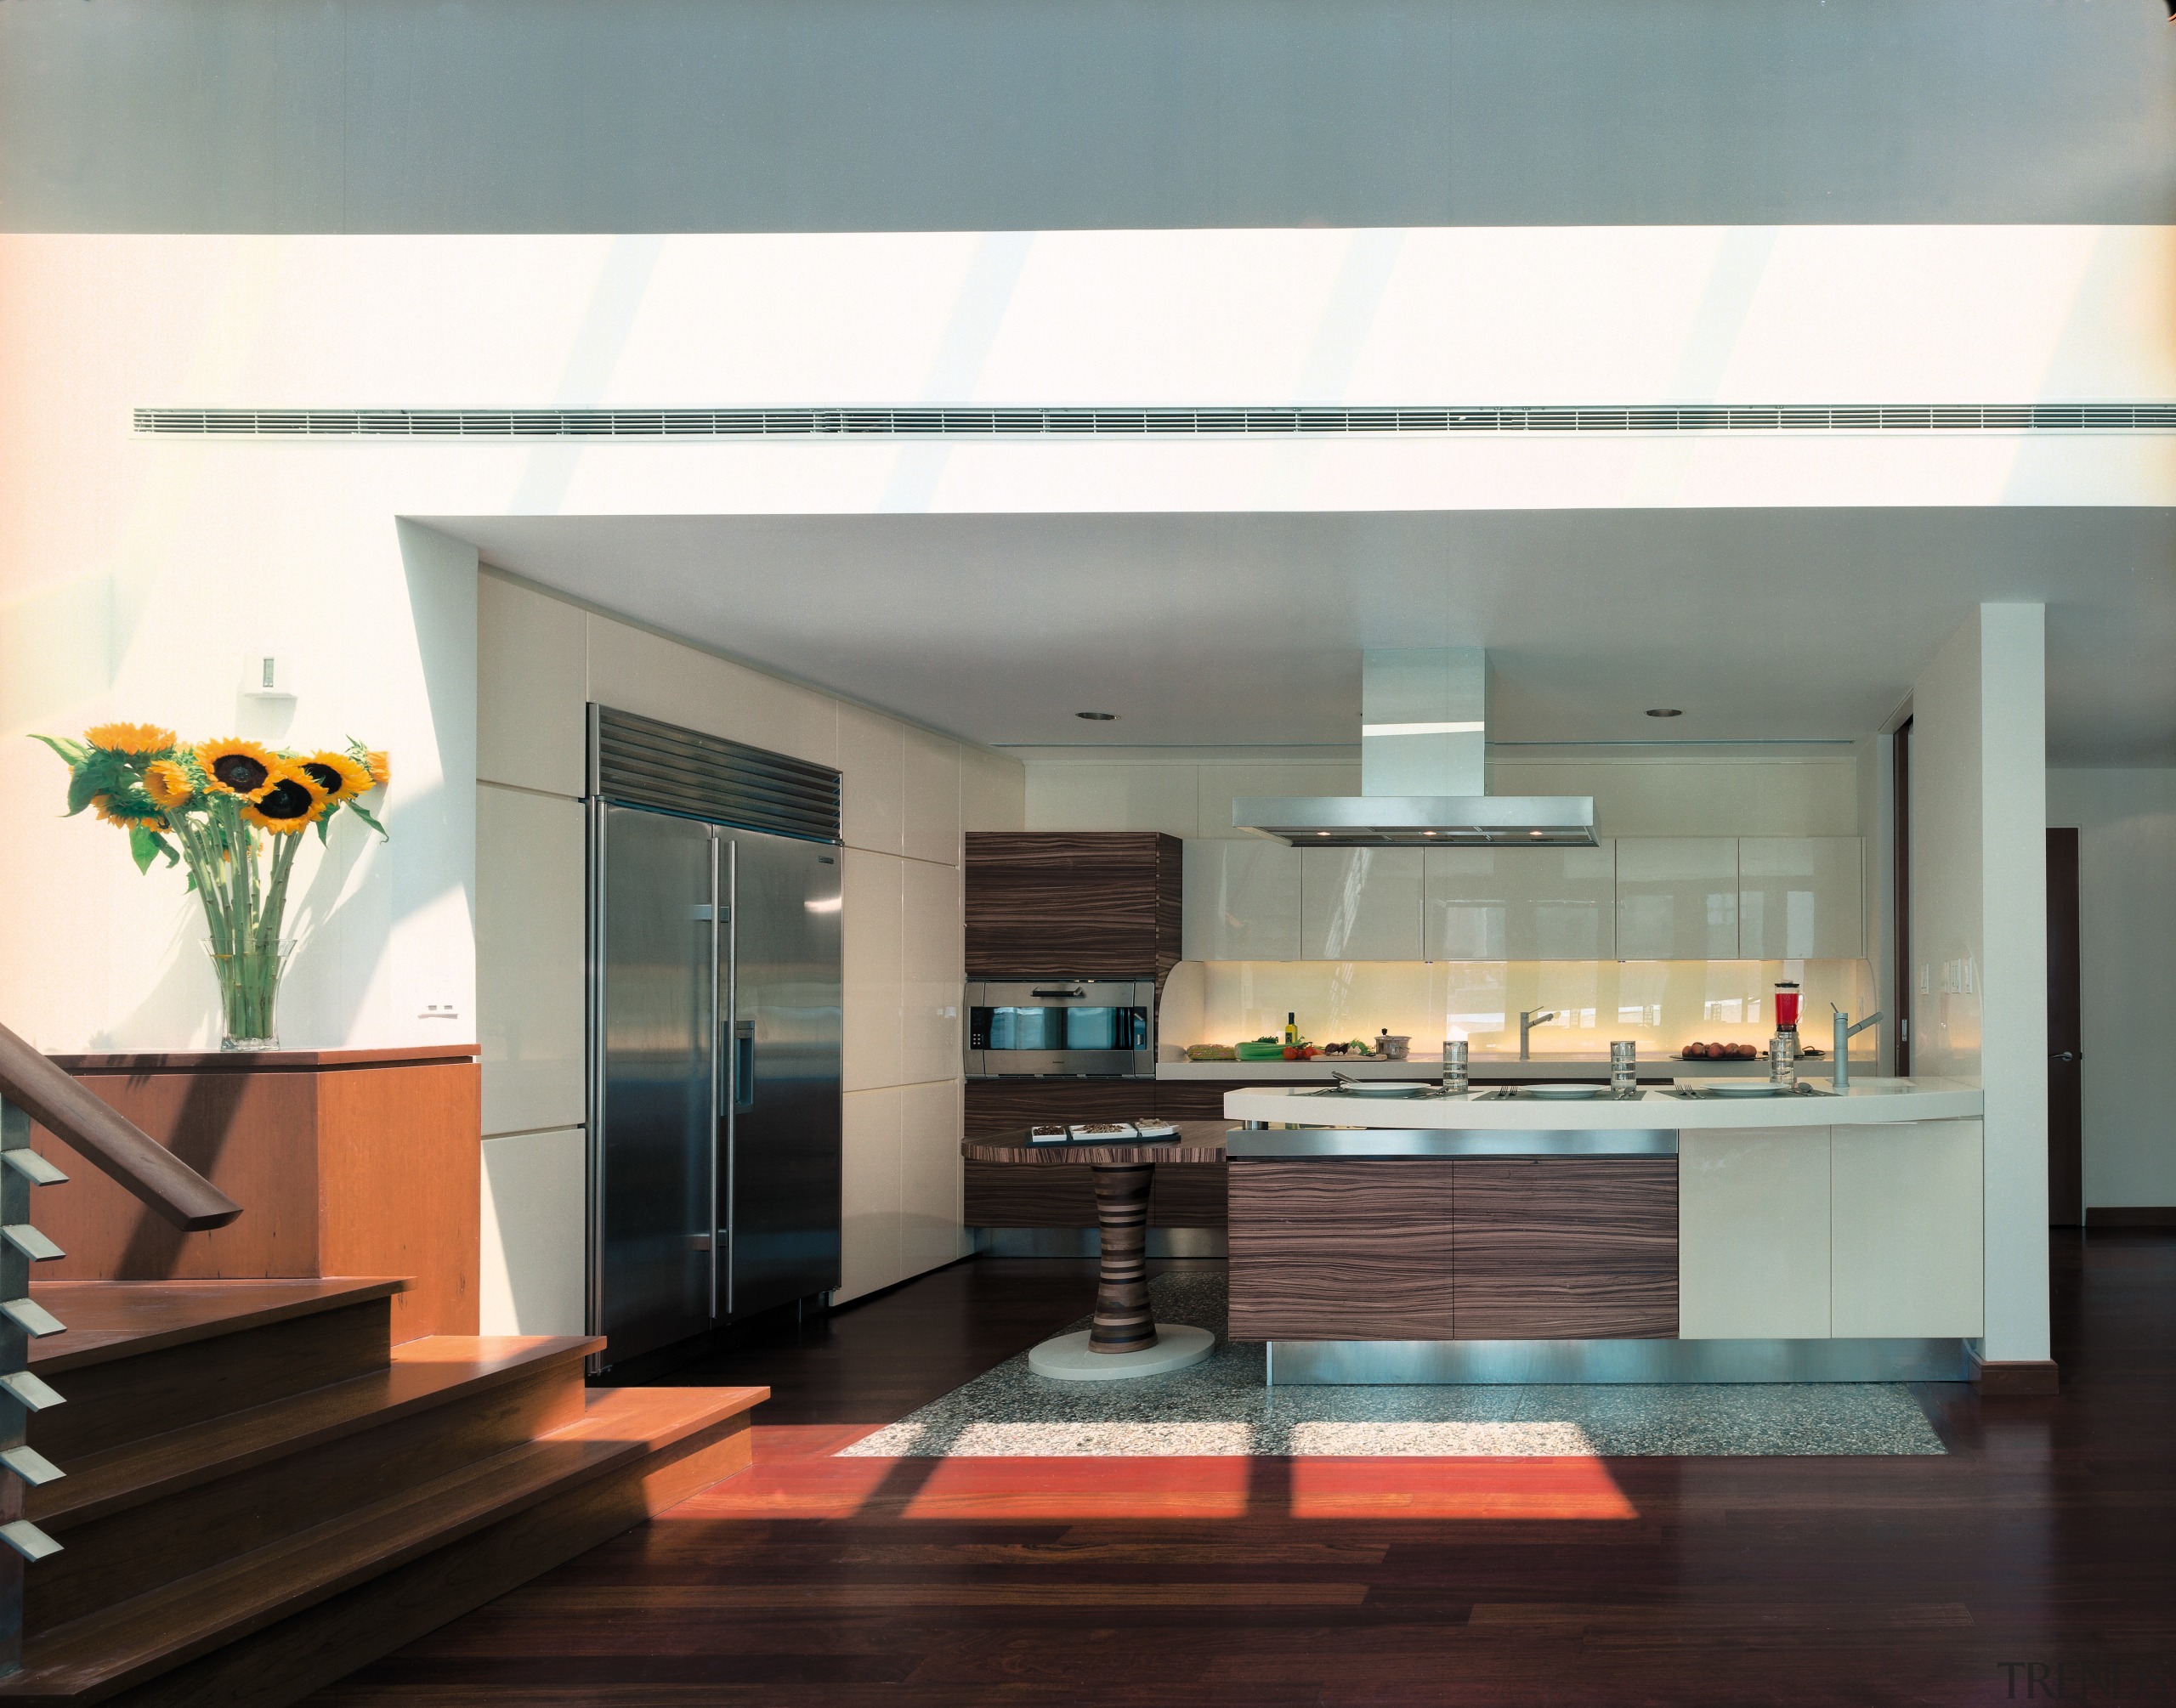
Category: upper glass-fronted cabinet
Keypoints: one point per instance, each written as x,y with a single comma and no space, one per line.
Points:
1520,904
1242,900
1643,898
1360,904
1801,898
1677,898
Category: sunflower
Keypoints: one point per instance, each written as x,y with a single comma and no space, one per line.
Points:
167,783
288,803
380,764
124,815
237,767
337,777
137,740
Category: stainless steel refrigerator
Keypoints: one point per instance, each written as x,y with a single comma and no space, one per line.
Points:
714,1032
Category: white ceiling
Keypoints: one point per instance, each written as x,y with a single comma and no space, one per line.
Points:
1231,629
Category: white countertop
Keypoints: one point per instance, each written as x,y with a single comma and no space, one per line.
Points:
1868,1102
1479,1067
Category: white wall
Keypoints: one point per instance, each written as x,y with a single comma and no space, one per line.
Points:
2127,954
1978,933
378,620
907,796
1188,791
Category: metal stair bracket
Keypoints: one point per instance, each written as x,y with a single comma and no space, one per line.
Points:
21,1392
30,1391
32,1167
31,1243
31,1465
32,1543
32,1317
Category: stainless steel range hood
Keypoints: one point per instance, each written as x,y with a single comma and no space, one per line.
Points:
1423,745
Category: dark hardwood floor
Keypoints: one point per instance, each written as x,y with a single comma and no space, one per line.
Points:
2035,1562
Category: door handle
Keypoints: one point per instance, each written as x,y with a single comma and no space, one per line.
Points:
2068,1055
744,1064
1068,996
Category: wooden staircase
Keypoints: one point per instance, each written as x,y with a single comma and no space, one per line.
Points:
263,1493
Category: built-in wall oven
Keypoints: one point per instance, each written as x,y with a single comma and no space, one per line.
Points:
1101,1027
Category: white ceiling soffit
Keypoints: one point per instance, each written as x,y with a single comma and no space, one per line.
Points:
1246,630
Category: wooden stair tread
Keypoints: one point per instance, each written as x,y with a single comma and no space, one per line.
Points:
133,1640
112,1319
423,1373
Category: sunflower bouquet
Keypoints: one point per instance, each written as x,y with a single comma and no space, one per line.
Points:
234,812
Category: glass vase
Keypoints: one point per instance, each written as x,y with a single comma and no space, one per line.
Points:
249,993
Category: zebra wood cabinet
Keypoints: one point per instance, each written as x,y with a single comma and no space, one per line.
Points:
1454,1248
1072,904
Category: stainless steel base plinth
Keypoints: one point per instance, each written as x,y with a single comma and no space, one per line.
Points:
1488,1363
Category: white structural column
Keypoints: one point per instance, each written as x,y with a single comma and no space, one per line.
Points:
2013,1003
1978,922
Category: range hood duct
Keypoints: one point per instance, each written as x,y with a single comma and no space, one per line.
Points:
1424,758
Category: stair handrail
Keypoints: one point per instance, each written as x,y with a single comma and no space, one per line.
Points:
109,1140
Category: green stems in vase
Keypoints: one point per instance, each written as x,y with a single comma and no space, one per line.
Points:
243,887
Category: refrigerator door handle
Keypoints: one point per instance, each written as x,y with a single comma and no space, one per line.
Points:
720,991
744,1064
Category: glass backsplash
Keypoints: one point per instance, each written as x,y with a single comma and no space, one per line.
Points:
1662,1005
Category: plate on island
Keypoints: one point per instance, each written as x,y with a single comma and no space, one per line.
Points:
1382,1087
1742,1088
1104,1133
1568,1094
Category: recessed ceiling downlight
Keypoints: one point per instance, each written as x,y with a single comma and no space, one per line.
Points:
1664,711
1098,717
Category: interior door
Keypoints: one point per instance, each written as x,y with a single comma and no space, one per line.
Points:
656,1113
783,1158
2066,1039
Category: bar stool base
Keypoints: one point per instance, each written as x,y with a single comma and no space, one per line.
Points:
1067,1358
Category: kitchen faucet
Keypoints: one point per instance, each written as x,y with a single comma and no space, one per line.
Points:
1528,1020
1840,1057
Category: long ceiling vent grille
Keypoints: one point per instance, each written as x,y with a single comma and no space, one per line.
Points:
949,421
640,762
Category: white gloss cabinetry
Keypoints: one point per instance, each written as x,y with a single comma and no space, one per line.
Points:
1242,900
1360,904
1519,904
1908,1229
1753,1236
1635,898
1800,898
1677,898
1253,900
1858,1232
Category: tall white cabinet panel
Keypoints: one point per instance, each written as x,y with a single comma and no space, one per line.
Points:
870,1193
1519,904
1360,904
930,1175
1907,1230
1753,1237
1677,898
1800,898
1242,900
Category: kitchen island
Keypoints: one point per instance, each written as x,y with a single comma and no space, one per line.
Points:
1678,1235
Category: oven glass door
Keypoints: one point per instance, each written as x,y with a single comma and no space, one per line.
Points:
1008,1028
1094,1034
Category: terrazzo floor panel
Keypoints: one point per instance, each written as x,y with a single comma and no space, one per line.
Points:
1221,1408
